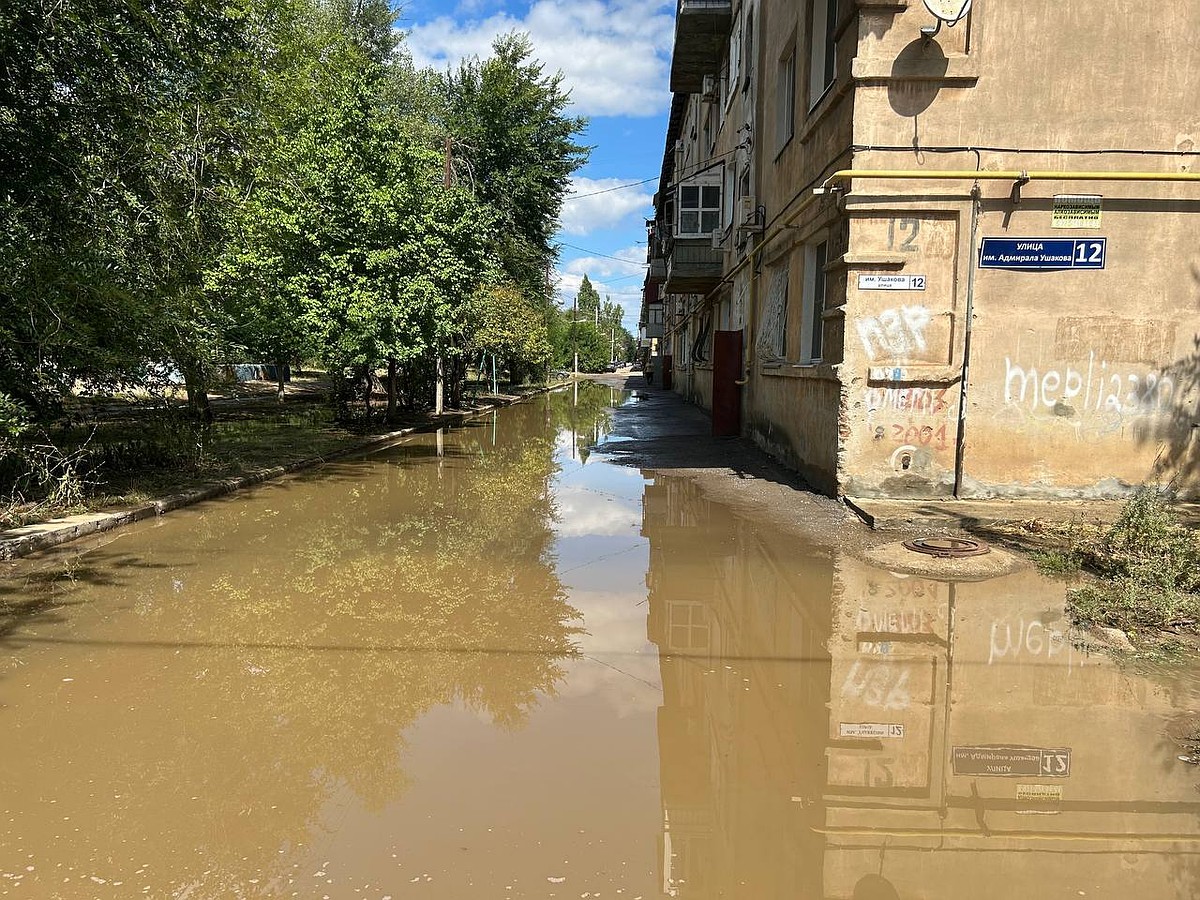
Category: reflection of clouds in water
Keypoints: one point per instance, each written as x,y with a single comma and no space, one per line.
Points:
583,511
625,663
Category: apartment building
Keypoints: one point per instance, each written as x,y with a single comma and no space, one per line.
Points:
914,256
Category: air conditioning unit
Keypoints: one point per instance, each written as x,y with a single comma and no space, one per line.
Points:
718,239
747,215
709,92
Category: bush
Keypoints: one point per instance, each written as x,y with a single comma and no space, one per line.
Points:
1150,571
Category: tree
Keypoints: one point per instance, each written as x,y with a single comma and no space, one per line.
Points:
118,124
587,301
516,148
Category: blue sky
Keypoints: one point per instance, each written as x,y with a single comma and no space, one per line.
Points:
615,56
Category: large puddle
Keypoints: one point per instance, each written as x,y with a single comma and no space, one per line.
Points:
491,663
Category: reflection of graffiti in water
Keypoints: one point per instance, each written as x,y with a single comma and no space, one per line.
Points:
1032,639
883,685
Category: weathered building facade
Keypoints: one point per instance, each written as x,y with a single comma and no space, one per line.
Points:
914,260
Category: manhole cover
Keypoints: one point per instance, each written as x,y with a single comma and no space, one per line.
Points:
948,547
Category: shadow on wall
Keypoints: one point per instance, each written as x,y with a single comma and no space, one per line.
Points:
1177,431
915,83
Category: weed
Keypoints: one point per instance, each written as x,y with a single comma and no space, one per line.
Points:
1058,563
1149,568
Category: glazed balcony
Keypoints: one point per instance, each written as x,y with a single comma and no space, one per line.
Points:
693,266
701,33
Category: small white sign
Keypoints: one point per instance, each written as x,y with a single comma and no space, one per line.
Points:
891,282
1039,792
869,730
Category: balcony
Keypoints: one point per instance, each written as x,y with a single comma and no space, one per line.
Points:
701,32
693,266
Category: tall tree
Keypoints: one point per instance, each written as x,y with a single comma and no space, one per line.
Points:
587,301
517,148
116,123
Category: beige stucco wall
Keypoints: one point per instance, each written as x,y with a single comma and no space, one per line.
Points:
1115,352
1081,383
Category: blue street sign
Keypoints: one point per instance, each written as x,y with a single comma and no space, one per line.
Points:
1041,254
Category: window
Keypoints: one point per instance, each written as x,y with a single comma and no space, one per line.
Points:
822,60
772,335
654,314
735,49
748,50
785,98
687,626
699,208
812,331
727,209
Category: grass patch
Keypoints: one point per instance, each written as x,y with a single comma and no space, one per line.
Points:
131,461
1148,573
1058,563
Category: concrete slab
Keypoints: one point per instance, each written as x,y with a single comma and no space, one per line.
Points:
966,515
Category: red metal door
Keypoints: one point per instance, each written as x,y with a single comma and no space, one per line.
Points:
727,395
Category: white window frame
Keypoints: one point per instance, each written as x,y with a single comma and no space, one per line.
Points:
705,186
785,98
682,620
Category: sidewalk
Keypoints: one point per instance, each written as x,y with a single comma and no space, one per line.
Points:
667,433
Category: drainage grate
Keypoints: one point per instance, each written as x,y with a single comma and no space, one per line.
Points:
948,547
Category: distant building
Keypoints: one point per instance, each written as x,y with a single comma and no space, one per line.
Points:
1025,323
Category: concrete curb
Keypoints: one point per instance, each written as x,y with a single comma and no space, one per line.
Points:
19,542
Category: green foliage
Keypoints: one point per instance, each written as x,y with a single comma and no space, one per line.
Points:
587,301
505,322
200,182
1148,545
1134,606
516,147
1149,568
1058,563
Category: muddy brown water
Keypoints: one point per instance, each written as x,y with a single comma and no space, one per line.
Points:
493,663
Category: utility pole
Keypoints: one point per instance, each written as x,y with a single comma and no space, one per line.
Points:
575,332
439,400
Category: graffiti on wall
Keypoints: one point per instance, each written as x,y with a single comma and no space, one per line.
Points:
1088,388
1010,641
895,333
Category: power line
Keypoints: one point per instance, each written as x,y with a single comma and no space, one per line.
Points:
598,253
619,187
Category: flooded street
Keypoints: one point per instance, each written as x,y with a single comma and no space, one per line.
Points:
498,663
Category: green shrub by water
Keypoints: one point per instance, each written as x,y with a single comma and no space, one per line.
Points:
1149,571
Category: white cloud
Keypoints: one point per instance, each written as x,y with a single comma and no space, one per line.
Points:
621,263
613,53
584,512
596,211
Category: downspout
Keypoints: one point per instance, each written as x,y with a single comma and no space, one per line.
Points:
961,439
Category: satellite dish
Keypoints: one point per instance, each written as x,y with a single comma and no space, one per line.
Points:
949,11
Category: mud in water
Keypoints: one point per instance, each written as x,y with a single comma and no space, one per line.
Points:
497,663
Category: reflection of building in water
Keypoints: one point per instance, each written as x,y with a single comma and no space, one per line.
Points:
999,737
907,749
741,622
